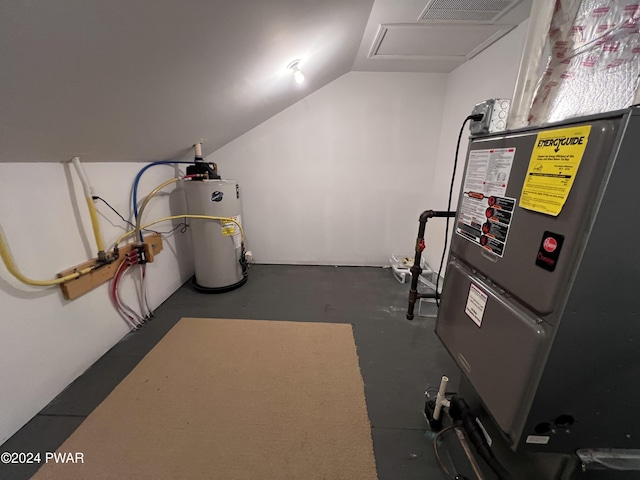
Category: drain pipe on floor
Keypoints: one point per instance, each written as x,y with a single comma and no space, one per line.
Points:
416,270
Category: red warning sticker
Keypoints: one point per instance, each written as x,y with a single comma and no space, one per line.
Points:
485,221
485,212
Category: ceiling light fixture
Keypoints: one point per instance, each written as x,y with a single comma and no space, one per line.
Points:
297,73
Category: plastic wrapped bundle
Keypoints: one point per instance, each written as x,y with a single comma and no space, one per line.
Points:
592,60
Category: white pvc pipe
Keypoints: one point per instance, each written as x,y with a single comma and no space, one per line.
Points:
88,191
440,399
93,213
198,147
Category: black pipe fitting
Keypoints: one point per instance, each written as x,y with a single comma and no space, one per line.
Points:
205,169
416,270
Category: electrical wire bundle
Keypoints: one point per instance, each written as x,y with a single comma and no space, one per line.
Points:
134,319
183,226
134,259
137,255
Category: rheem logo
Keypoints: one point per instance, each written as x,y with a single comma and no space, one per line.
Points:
550,244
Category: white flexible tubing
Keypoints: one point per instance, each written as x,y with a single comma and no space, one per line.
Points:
135,317
126,317
138,319
143,306
146,290
140,315
132,313
140,290
116,303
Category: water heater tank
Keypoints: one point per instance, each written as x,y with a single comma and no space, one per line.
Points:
217,245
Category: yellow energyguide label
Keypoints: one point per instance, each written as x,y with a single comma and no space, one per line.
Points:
552,169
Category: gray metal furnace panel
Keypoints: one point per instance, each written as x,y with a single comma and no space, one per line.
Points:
516,271
502,356
589,392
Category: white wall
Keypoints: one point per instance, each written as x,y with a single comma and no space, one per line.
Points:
341,176
46,341
338,178
491,74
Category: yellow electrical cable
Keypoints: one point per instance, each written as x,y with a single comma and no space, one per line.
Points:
7,258
174,217
96,224
146,201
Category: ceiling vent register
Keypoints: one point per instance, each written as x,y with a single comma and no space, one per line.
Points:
472,11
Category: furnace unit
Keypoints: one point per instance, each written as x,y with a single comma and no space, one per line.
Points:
541,302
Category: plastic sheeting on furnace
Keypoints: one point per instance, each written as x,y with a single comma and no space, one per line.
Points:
591,60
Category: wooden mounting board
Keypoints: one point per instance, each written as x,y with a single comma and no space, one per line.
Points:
81,285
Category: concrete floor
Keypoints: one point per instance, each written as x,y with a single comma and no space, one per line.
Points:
398,358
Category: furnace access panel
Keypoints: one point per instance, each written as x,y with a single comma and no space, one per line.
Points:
536,308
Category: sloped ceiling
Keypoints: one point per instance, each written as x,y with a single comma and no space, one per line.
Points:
143,80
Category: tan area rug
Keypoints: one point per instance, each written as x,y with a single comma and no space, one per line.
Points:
232,400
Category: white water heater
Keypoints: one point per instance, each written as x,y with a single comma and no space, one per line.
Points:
217,245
